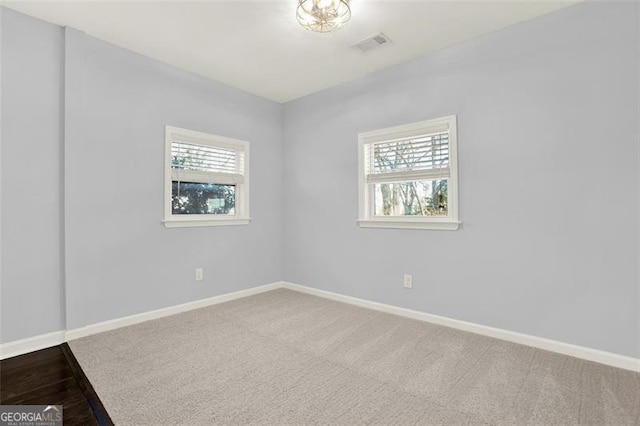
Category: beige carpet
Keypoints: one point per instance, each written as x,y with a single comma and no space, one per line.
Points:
284,357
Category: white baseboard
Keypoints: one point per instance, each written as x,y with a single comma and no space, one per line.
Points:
35,343
30,344
19,347
165,312
595,355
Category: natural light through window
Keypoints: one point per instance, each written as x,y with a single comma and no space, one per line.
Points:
206,179
408,176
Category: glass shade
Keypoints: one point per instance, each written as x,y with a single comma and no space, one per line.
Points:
323,16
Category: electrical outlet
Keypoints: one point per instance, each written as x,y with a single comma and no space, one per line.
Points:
199,274
408,281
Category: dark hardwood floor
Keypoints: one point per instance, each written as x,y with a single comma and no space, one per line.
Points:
52,376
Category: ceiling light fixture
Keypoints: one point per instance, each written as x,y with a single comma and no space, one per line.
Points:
323,16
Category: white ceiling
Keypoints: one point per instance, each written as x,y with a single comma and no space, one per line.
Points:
260,48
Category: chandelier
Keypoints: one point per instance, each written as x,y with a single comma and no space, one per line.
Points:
323,16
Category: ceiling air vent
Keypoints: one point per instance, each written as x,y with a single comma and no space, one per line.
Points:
372,42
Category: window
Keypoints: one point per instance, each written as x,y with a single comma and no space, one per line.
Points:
206,179
408,176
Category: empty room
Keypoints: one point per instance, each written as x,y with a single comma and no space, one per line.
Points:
334,212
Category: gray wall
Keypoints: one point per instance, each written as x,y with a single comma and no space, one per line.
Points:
120,259
32,295
548,146
105,123
548,165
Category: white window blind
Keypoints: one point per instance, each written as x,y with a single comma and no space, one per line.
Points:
424,156
206,179
408,176
203,163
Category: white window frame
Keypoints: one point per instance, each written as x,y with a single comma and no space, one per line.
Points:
241,216
367,218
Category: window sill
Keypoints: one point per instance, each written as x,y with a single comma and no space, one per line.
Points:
189,223
449,225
